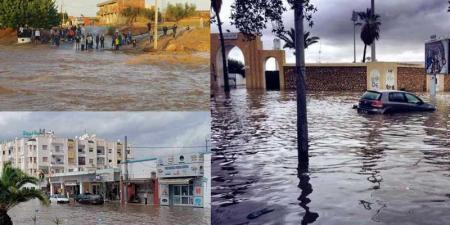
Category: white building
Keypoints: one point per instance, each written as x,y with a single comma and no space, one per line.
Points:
42,153
185,180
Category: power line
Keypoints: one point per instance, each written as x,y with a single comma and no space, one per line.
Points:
150,147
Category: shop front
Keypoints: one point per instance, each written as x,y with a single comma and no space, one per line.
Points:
101,182
181,180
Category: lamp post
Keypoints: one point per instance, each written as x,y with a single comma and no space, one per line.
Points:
355,24
155,43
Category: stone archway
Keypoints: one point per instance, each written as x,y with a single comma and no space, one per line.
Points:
254,57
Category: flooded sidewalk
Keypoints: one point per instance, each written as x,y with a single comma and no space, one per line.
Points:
43,78
364,169
109,214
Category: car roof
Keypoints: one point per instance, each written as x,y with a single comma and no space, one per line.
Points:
387,91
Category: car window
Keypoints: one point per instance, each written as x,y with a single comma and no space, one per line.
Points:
412,99
397,97
371,95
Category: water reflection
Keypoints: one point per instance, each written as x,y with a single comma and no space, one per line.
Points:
306,189
386,169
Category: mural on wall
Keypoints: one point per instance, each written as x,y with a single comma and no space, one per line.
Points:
375,79
436,57
390,80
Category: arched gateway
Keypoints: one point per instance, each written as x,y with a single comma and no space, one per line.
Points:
254,56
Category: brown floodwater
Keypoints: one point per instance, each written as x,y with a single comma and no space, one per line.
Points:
108,214
364,169
43,78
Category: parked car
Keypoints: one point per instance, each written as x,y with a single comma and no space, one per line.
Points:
88,198
391,101
59,199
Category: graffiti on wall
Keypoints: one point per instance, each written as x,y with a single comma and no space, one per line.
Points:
390,80
436,57
375,79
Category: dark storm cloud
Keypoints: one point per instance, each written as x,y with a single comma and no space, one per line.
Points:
406,25
142,128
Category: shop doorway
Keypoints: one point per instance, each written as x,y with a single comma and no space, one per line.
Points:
183,195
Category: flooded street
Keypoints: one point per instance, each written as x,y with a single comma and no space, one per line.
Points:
108,214
364,169
48,79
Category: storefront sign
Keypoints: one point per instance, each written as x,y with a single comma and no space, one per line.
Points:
198,201
28,134
186,165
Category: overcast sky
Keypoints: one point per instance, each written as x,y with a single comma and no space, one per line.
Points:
406,25
89,7
146,129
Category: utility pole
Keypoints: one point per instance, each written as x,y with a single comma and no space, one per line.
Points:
62,13
125,147
155,42
374,55
302,122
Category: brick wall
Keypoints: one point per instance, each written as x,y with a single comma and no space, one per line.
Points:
330,78
447,83
411,79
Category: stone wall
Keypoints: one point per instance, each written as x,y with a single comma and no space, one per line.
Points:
411,79
330,78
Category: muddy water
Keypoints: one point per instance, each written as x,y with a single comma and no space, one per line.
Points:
108,214
45,78
382,169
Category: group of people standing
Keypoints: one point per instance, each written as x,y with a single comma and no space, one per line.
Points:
86,42
122,39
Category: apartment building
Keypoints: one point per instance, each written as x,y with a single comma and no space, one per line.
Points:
110,11
43,153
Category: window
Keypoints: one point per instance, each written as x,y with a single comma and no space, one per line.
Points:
44,147
397,97
81,161
412,99
371,95
57,148
183,194
91,161
91,149
110,151
44,159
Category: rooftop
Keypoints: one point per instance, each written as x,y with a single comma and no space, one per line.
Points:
106,3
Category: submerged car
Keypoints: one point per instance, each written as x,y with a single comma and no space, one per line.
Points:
59,199
390,101
88,198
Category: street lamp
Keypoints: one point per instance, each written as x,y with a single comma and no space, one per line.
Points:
355,24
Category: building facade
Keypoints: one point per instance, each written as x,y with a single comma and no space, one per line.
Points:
41,153
185,180
110,11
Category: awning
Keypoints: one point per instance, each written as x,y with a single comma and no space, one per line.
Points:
175,181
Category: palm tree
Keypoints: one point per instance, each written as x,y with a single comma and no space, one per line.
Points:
13,192
217,6
370,30
289,39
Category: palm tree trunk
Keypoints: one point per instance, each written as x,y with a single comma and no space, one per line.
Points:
224,58
4,218
364,55
302,121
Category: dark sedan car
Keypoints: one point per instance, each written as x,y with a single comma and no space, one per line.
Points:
88,198
382,102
